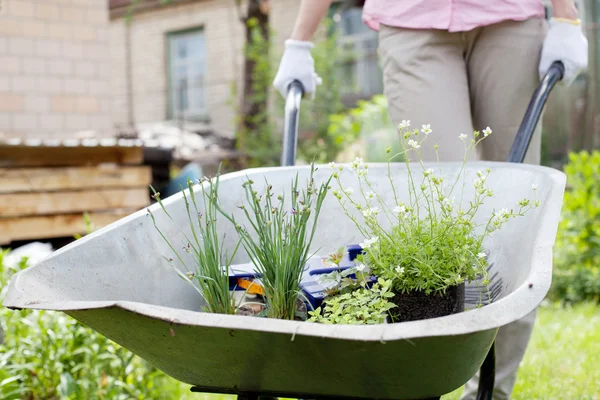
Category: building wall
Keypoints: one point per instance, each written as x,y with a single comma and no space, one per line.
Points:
148,31
54,68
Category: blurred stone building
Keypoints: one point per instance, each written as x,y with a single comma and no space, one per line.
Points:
55,68
179,60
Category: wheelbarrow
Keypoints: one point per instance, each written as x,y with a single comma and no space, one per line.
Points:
117,281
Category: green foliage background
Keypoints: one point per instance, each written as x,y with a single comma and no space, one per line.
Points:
577,249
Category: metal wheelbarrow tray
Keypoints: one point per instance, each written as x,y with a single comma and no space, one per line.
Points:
116,281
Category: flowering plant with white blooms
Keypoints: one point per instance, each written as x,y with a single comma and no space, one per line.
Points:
429,243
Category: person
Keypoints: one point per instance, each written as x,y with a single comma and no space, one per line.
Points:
459,66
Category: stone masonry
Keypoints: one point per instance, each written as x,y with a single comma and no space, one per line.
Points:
147,45
54,68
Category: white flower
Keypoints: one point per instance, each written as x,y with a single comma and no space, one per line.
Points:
487,132
462,136
448,201
399,270
369,212
534,186
332,165
426,129
428,172
357,164
501,217
368,242
362,172
361,267
399,209
479,182
348,191
404,124
370,195
504,212
414,144
481,255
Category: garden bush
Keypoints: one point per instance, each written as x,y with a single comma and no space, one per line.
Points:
364,131
49,355
577,249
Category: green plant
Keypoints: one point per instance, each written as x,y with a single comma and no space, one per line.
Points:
49,355
281,249
369,125
340,280
89,226
577,249
210,274
432,244
363,306
255,128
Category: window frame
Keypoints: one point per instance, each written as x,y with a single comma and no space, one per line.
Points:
201,115
353,95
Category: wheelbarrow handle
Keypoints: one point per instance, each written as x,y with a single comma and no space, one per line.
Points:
534,110
291,119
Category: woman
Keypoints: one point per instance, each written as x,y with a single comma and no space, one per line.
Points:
459,65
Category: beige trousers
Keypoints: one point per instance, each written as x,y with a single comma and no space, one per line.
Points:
464,81
457,83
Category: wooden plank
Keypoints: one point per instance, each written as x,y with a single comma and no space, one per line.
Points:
24,204
73,178
60,156
54,226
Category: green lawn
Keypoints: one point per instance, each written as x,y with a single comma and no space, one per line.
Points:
562,361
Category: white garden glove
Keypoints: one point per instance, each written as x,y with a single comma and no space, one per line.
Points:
565,42
297,64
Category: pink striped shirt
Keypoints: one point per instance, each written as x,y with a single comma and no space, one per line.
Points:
450,15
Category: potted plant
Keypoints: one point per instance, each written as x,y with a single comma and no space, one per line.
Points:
429,246
277,236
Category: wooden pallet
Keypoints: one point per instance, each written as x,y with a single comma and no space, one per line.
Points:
45,188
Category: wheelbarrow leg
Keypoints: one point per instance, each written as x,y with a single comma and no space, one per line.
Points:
487,375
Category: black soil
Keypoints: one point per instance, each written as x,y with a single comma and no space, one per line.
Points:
417,305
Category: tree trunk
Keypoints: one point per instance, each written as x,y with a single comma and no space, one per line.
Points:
255,94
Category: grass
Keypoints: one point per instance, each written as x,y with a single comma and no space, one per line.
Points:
562,361
563,358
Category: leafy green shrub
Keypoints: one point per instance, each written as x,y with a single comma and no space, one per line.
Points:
49,355
364,306
577,249
433,244
369,125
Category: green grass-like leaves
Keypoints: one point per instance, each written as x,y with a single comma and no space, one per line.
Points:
210,274
283,238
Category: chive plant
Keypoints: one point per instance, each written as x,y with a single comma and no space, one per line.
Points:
210,275
283,239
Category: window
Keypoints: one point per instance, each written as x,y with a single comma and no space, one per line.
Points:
187,75
360,43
